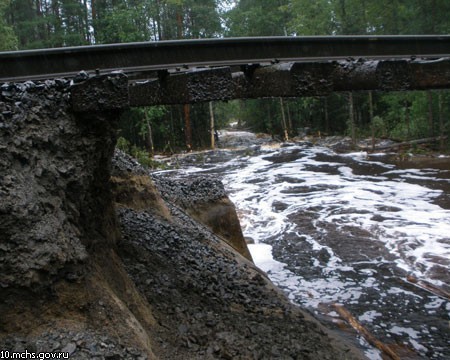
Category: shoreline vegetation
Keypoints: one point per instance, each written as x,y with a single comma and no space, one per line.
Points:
419,152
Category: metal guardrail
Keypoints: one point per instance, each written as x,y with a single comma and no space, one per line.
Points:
148,56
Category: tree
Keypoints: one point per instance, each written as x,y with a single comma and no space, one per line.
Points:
49,23
258,18
201,19
8,39
311,17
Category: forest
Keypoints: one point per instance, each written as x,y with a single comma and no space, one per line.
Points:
30,24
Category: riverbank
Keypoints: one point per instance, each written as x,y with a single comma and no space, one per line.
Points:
349,228
208,300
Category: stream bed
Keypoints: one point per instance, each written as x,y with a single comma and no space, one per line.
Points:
349,229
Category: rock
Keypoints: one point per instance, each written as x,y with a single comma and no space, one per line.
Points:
69,348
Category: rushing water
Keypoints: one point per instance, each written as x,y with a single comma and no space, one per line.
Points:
348,229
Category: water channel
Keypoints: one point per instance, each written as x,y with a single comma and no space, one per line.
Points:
353,229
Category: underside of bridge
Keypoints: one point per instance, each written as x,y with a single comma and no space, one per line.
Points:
293,79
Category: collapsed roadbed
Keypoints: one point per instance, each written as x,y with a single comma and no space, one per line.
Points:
99,262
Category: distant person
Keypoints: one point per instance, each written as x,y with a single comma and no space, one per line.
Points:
216,136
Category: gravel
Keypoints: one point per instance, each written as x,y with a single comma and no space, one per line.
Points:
59,234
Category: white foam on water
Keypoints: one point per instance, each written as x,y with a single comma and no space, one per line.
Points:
411,227
415,232
262,255
413,337
369,316
389,206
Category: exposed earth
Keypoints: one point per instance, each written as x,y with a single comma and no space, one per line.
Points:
99,262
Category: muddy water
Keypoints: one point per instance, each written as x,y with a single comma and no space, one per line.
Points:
351,230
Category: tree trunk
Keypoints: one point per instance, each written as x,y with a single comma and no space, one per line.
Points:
406,143
56,29
364,15
358,118
187,126
151,147
394,7
344,16
408,120
372,125
351,114
430,112
269,126
155,30
441,123
172,128
345,314
433,17
40,27
289,118
179,23
94,19
327,119
241,112
158,20
283,121
212,130
86,22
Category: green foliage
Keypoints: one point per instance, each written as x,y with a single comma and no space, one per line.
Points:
123,144
138,124
141,155
202,19
53,23
8,39
145,159
151,116
329,17
310,17
49,23
258,18
226,113
44,23
379,127
120,26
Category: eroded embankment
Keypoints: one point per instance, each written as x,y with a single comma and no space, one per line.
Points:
125,273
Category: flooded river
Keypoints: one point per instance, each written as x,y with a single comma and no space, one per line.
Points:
350,229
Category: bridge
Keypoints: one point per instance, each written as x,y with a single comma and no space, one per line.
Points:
190,71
